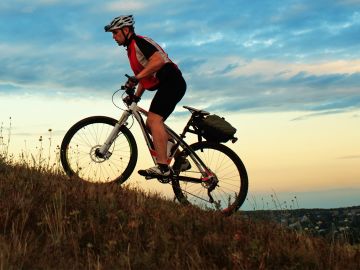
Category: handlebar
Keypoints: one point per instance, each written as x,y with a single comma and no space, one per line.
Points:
129,90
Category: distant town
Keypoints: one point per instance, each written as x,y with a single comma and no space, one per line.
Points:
340,224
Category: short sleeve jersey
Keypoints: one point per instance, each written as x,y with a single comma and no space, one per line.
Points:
139,50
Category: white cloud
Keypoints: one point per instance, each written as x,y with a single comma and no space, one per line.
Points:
349,2
26,6
269,69
256,42
129,7
213,37
48,2
338,26
290,11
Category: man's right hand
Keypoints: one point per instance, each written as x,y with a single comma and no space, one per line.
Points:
130,99
131,82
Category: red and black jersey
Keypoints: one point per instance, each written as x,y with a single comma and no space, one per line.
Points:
139,50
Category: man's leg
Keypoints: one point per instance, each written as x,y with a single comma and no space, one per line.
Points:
160,136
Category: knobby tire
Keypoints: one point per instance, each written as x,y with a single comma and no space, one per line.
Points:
77,151
232,188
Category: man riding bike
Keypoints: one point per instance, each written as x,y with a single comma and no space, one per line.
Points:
153,71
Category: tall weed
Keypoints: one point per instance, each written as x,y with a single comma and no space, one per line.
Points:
48,221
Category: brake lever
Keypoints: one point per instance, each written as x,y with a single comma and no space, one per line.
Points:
129,91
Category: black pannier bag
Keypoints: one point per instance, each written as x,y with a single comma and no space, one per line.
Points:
215,128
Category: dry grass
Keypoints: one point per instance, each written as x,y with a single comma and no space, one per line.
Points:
50,222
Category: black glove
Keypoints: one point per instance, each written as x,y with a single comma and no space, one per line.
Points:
133,79
131,82
130,99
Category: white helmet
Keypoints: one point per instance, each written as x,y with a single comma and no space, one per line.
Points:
120,22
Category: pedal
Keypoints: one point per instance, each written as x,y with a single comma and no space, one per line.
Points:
163,179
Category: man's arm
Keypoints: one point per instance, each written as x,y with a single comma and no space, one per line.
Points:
156,61
140,90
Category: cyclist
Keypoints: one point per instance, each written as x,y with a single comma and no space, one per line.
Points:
153,71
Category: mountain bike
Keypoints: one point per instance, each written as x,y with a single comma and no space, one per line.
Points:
103,149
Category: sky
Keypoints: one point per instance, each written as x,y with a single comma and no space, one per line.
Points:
285,73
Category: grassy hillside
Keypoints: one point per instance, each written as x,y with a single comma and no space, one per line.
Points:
50,222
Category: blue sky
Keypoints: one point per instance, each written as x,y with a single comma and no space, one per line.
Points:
287,74
247,55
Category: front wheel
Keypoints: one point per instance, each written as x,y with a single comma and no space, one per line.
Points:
79,156
232,186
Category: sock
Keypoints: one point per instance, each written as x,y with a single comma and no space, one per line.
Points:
163,167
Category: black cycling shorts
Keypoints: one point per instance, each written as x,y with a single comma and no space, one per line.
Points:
172,87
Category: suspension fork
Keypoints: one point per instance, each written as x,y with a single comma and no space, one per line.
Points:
103,151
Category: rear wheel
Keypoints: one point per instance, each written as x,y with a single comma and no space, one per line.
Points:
79,151
232,187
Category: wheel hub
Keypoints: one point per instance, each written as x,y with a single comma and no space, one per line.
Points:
95,154
210,183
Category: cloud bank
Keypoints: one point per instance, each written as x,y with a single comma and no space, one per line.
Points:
293,55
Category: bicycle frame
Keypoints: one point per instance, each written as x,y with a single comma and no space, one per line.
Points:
137,111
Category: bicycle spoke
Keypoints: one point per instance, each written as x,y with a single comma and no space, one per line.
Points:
226,167
78,151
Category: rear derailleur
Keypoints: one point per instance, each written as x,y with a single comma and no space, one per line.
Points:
210,184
